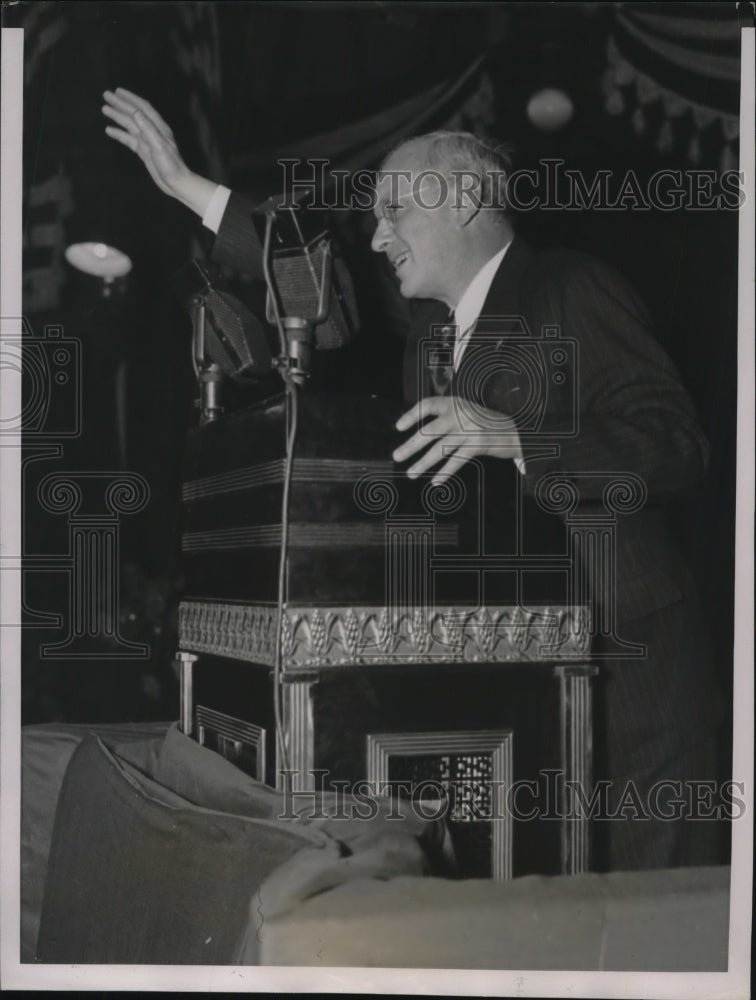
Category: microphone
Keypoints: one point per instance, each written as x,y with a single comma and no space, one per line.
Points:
234,337
309,283
231,336
299,273
228,342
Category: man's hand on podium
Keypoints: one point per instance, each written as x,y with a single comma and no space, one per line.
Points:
458,431
145,133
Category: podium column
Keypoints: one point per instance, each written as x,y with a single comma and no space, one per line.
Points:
299,735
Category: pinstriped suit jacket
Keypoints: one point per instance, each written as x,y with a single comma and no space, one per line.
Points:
632,414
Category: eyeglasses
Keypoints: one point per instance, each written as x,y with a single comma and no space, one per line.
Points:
390,211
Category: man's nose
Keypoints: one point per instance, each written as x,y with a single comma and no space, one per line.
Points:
381,237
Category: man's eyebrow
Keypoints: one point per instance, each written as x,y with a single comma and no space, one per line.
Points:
389,179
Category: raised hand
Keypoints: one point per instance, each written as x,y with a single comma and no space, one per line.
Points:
141,129
459,431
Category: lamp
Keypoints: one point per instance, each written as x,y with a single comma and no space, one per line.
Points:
549,109
99,297
104,234
101,261
551,72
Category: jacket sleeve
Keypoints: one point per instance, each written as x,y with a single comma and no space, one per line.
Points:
237,244
629,409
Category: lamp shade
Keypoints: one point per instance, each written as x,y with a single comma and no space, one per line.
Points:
99,260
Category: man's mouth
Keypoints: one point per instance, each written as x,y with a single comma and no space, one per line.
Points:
399,260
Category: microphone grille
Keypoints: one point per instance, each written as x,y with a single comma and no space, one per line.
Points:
235,338
298,275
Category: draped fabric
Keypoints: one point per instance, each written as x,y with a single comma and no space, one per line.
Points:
675,69
138,845
48,197
439,103
195,40
463,102
325,80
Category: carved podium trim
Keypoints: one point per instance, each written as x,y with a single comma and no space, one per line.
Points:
382,747
323,637
238,631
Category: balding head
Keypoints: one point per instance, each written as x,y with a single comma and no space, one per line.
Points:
441,213
471,167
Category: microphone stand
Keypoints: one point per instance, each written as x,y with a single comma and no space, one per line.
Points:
296,341
296,337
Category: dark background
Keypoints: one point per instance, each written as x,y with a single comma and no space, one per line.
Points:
286,72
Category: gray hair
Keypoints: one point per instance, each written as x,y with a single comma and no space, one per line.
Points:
462,154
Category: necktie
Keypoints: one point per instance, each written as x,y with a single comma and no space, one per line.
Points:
441,369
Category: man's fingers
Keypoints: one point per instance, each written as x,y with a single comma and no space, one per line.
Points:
123,137
454,464
150,133
432,457
455,436
407,449
432,405
428,433
121,110
124,119
141,128
408,419
147,109
119,103
134,110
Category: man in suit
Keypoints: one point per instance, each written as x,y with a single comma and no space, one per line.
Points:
448,236
657,714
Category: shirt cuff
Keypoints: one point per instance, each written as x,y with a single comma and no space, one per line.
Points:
215,208
519,462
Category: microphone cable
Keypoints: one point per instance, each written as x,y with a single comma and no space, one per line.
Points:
292,419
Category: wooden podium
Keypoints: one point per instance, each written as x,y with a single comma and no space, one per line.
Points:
428,642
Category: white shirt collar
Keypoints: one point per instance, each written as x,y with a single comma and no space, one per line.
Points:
470,305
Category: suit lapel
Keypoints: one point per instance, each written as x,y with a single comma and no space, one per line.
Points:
499,316
427,314
503,297
503,300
